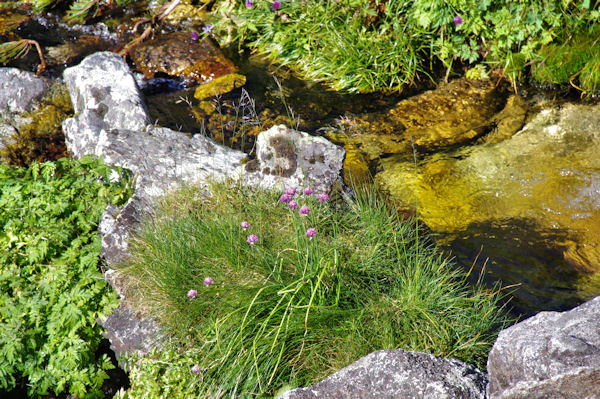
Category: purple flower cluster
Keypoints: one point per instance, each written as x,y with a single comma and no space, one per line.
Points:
252,239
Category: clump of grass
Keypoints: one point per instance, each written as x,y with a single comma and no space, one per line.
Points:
252,309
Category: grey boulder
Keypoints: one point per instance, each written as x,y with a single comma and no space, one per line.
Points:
19,89
401,374
550,355
290,158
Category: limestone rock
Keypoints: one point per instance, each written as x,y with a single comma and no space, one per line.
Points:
104,92
289,158
398,374
128,332
19,89
550,355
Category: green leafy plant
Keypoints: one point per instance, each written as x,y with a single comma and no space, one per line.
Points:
260,292
372,45
51,290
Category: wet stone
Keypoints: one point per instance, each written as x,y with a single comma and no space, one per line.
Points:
453,113
176,54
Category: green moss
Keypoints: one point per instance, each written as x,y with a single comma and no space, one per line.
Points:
575,61
42,139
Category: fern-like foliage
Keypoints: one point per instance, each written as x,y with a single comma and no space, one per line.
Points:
12,50
43,5
80,10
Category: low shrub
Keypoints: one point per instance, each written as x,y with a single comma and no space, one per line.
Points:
262,292
51,290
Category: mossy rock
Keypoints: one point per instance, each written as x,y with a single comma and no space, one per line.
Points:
220,85
42,139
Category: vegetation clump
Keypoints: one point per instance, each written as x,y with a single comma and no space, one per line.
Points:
371,45
51,291
262,292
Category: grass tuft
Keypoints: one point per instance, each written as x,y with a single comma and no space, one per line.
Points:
290,310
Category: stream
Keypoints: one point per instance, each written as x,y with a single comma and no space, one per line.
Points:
530,227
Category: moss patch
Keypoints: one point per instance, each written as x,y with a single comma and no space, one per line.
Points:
42,139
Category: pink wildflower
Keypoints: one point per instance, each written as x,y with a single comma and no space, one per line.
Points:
304,210
276,5
252,238
311,232
196,369
208,281
293,204
285,198
323,197
192,294
245,225
308,191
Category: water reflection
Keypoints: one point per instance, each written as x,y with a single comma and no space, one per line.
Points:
521,254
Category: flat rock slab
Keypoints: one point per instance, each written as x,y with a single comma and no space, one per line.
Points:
550,355
390,374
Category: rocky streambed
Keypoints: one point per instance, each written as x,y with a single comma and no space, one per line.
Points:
509,181
548,353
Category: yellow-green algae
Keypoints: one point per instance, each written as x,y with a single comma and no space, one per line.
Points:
549,173
220,85
42,139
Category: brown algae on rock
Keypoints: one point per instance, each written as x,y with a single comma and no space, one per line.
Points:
176,54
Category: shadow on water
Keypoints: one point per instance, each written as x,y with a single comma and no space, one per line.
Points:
525,259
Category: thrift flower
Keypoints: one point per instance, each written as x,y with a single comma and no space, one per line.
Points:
293,204
285,198
304,210
311,232
192,294
458,20
208,28
308,191
245,225
194,36
196,369
209,280
323,197
276,5
291,191
249,4
252,238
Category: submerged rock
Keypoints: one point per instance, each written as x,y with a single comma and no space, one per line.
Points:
550,355
399,374
453,113
548,174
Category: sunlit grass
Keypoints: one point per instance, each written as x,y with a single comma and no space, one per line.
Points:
290,310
